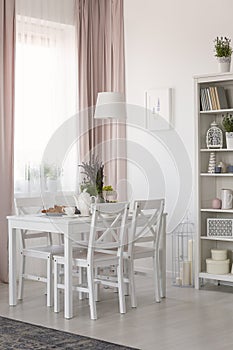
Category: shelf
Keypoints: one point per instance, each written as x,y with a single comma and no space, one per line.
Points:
210,210
217,111
224,239
216,150
217,174
228,277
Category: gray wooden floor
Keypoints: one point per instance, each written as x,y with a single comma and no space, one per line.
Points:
186,319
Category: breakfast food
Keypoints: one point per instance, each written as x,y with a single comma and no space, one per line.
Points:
55,209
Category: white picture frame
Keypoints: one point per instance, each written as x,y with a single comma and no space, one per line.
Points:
158,104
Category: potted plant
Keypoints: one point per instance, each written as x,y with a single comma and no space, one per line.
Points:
51,174
223,51
93,172
227,124
109,194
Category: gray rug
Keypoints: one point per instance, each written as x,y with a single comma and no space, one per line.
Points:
21,335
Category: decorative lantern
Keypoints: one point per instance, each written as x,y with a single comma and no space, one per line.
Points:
214,136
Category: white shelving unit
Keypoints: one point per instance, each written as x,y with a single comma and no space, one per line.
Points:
208,186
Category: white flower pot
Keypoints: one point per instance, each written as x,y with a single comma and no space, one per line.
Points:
224,64
229,140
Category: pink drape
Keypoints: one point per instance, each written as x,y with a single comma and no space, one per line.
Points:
100,40
7,45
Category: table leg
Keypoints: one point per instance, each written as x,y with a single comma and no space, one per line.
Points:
12,265
68,294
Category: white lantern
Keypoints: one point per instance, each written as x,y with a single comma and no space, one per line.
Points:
214,136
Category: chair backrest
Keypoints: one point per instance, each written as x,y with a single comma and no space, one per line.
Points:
30,205
146,223
34,205
108,228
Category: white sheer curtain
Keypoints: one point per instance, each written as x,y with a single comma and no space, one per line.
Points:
46,89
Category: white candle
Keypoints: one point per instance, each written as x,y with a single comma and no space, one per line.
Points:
185,273
190,258
190,250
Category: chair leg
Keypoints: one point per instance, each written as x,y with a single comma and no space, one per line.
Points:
126,271
81,281
49,282
97,286
56,289
121,292
156,278
132,283
21,273
90,282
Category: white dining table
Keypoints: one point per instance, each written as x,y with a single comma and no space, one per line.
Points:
71,228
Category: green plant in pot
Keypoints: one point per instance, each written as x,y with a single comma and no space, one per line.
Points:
227,123
93,175
223,51
52,174
109,194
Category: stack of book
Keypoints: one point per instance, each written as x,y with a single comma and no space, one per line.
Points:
213,98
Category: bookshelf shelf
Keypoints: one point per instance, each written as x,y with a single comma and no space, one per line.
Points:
217,111
216,150
217,175
210,210
223,239
227,278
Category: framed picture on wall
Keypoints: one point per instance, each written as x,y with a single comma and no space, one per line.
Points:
158,104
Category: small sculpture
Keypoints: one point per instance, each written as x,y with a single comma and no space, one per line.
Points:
214,136
212,163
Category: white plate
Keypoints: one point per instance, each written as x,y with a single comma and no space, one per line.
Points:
71,216
53,214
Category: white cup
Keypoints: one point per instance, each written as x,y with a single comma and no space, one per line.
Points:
226,196
70,211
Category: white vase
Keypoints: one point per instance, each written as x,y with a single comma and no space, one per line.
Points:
229,140
224,64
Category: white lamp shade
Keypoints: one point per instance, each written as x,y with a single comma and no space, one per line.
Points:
110,105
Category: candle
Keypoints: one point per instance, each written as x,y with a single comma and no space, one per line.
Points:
186,273
190,250
190,258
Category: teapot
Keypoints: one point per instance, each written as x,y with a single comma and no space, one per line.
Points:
83,202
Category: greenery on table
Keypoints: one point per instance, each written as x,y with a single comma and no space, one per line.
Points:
93,172
107,188
222,47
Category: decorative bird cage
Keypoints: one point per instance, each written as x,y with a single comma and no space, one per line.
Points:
183,254
214,136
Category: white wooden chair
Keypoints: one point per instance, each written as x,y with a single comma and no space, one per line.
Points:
105,248
43,251
143,241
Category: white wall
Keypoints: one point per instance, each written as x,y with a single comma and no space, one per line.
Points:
167,42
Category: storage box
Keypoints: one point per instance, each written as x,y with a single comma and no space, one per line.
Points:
220,227
217,267
218,254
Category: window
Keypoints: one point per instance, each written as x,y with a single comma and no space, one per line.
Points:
45,96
